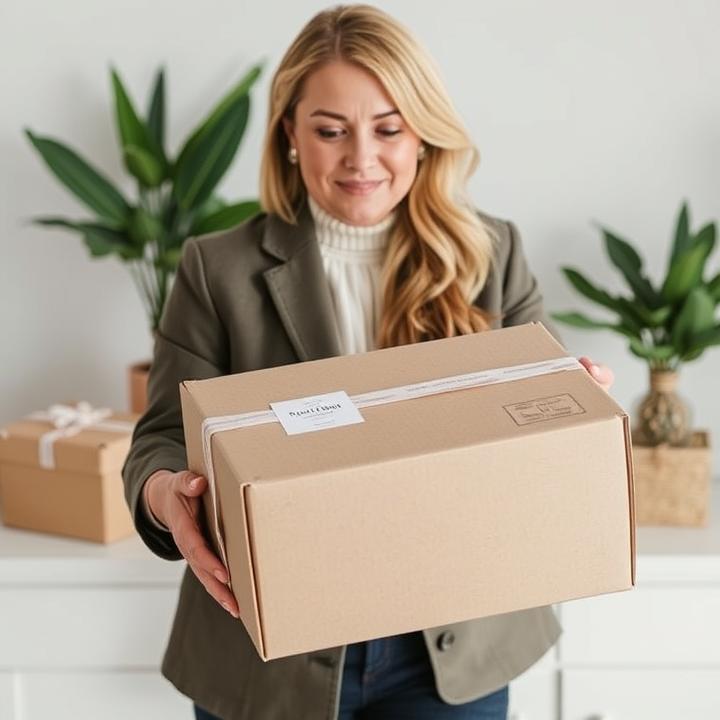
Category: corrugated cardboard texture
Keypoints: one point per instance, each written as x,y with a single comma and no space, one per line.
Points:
434,510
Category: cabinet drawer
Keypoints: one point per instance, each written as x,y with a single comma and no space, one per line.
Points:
84,627
653,694
534,696
671,626
110,696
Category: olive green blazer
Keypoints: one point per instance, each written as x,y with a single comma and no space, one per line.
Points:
253,297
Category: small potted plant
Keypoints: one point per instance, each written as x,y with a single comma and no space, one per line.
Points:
174,199
667,325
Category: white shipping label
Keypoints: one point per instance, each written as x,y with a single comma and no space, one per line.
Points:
316,412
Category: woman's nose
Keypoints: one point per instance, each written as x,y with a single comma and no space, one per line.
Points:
361,154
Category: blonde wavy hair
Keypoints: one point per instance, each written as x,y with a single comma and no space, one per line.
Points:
439,252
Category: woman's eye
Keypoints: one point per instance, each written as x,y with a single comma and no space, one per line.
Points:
334,133
328,133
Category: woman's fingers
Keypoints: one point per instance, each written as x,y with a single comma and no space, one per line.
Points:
602,374
202,561
218,591
183,509
189,483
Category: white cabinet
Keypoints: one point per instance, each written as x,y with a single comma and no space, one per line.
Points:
83,628
109,695
641,694
648,626
90,627
534,695
651,653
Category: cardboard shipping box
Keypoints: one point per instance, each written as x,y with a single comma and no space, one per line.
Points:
412,507
72,486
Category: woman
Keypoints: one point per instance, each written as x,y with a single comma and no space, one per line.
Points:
367,241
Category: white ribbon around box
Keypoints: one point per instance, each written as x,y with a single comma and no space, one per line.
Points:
220,423
69,420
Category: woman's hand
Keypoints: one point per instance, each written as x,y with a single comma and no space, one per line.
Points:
174,499
602,374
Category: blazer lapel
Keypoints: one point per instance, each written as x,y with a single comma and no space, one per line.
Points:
299,287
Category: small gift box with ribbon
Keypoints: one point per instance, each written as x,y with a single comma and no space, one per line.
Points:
412,487
60,472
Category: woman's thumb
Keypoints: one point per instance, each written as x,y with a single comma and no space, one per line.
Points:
195,485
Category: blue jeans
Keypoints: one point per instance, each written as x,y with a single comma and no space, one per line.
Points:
391,679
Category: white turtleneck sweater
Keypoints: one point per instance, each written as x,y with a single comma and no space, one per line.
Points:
353,256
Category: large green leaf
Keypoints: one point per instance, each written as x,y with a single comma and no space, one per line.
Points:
652,352
687,270
701,342
633,314
213,204
241,89
145,227
143,166
625,258
621,252
713,288
683,238
86,183
226,217
624,308
100,239
228,102
133,131
641,316
156,111
579,320
191,219
660,316
590,291
99,246
170,259
696,316
198,172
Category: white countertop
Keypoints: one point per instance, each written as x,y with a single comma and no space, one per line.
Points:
28,558
31,558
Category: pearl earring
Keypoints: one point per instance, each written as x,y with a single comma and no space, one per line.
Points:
421,152
292,156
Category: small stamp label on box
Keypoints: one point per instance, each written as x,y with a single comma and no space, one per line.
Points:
316,412
541,409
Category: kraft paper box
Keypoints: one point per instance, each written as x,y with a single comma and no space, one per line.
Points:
424,509
71,486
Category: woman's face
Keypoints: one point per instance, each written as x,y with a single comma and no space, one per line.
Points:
357,157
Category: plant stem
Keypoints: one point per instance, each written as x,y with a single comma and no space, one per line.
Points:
142,287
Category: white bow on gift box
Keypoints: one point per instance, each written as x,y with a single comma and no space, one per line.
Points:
69,420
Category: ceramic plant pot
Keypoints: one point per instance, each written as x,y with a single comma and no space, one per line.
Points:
137,386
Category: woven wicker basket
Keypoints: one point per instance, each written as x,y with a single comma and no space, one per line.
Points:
672,484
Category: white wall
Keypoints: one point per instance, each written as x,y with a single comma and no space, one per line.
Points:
582,111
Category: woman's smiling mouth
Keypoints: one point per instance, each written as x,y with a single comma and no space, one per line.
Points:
354,187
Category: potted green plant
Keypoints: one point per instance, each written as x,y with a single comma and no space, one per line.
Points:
174,199
666,325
